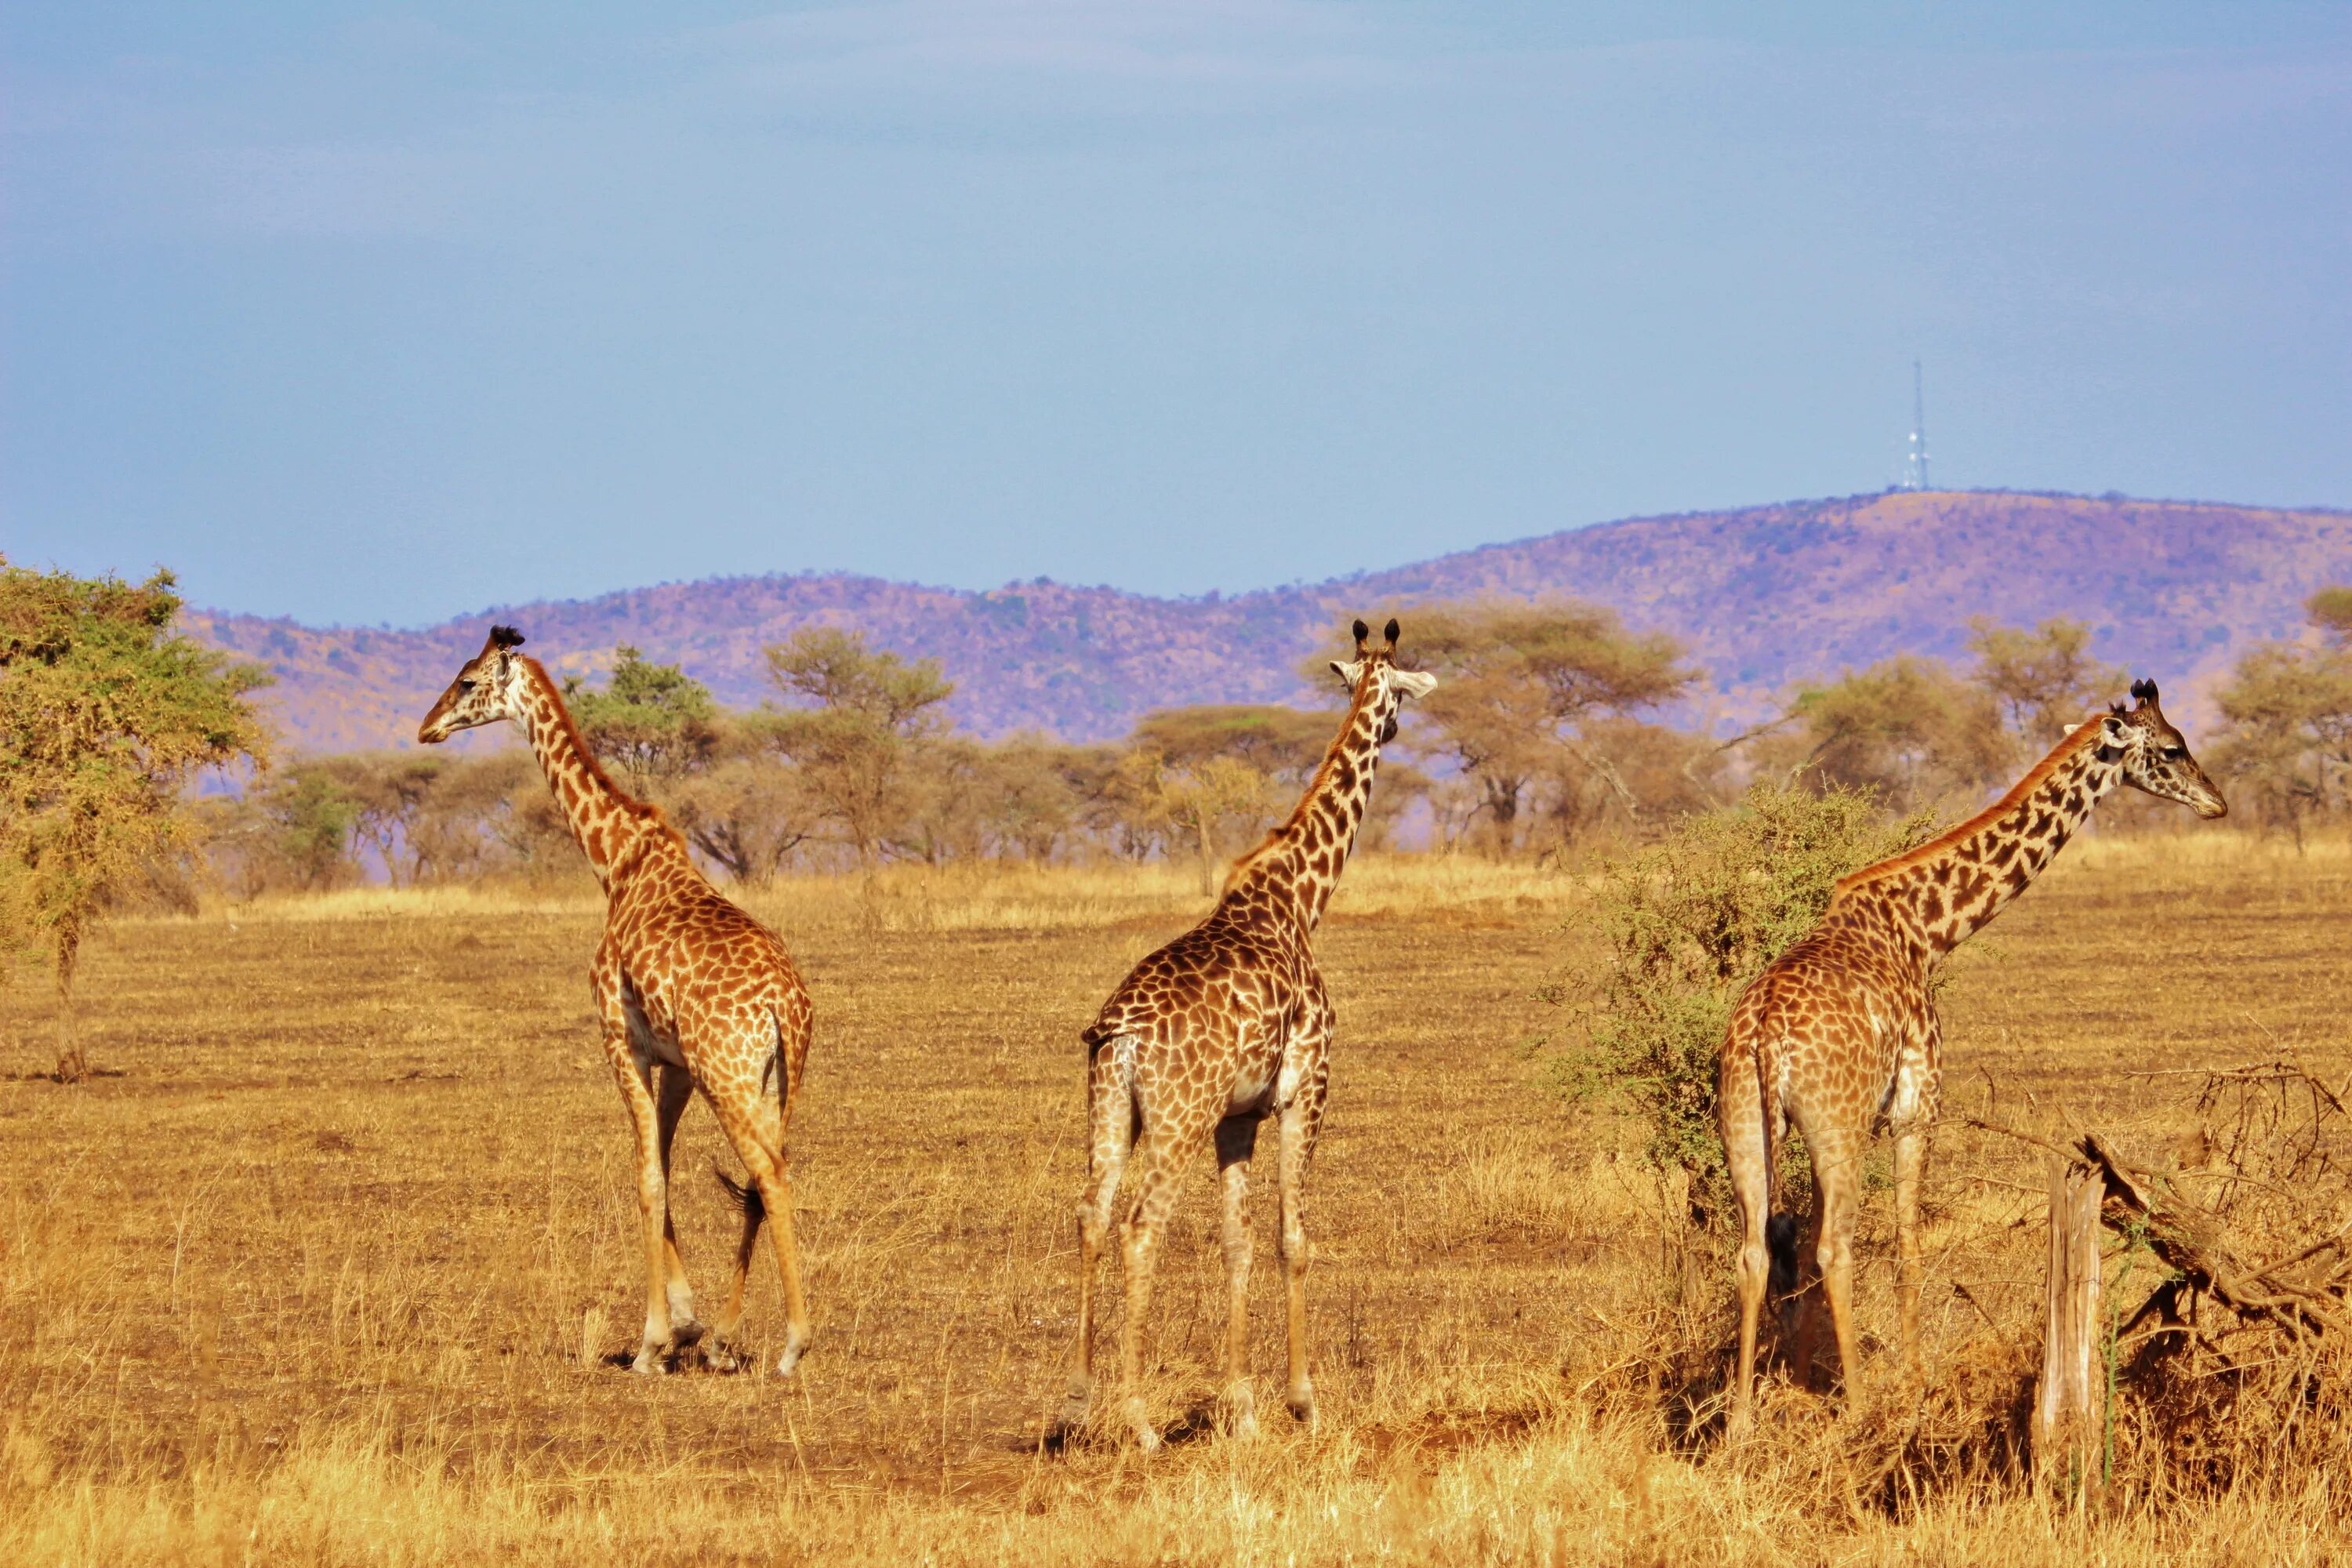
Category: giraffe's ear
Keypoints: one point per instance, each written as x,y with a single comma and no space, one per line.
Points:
2072,728
1350,673
1415,682
2113,731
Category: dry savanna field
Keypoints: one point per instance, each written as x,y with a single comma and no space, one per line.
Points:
338,1261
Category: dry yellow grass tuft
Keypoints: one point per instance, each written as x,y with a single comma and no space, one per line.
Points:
336,1269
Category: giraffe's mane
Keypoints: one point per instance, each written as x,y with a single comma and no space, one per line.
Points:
2084,735
1280,835
645,811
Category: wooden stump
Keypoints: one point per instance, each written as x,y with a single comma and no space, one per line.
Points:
2070,1408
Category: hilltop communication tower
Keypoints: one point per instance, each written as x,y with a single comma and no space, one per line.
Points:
1914,462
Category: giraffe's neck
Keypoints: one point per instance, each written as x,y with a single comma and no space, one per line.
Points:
606,822
1951,886
1300,861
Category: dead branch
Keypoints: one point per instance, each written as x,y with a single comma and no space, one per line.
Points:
2192,1241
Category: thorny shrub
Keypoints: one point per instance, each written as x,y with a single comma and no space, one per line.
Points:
1687,922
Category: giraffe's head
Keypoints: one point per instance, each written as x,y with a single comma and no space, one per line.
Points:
2156,757
484,692
1375,681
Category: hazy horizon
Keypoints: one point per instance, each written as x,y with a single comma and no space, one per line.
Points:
381,316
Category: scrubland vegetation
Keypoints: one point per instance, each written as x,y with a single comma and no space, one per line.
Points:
332,1257
336,1260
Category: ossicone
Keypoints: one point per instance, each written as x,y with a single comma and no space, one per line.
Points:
2144,691
1390,631
505,636
1363,635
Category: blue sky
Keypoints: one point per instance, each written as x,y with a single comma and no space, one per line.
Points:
364,315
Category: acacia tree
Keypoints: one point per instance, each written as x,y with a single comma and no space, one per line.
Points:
1907,728
106,714
1190,770
866,716
2288,709
1533,691
654,722
2043,679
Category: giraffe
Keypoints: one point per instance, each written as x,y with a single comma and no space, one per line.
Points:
1839,1034
691,991
1223,1027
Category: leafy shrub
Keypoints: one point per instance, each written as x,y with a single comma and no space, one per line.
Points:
1686,921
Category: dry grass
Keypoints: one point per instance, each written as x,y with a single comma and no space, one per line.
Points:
335,1270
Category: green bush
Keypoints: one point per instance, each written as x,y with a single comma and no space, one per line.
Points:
1685,923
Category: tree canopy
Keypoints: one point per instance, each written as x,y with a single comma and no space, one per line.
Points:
1536,695
867,714
106,714
654,722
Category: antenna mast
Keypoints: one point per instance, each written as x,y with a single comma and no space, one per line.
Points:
1914,465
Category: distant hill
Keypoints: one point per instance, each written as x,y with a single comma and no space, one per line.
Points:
1762,596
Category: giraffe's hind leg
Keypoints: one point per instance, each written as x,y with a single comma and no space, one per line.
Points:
1110,1133
1837,1182
1747,1149
1301,1119
1157,1152
1237,1139
766,1117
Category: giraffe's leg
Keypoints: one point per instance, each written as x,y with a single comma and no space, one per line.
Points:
1804,1318
762,1123
1837,1176
1740,1118
677,1090
1110,1131
725,1346
1910,1161
1300,1121
1237,1139
769,1196
1155,1196
635,1078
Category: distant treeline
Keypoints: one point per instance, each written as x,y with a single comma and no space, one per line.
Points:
1543,737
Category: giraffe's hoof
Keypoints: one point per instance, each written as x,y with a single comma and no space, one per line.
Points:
653,1359
1241,1413
721,1353
1138,1421
796,1344
1074,1411
685,1333
1302,1402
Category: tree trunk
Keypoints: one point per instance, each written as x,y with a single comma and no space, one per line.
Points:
1208,858
72,1066
2070,1406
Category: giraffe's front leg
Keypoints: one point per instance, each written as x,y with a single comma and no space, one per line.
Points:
1236,1138
685,1330
1300,1120
1918,1092
635,1078
1910,1162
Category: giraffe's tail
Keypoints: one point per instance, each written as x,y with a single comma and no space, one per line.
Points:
745,1197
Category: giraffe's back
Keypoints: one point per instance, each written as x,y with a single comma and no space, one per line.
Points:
1828,1023
706,974
1210,1011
